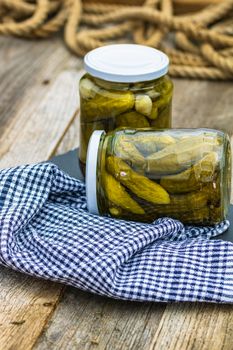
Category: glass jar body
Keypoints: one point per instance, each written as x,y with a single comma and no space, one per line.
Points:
108,105
145,174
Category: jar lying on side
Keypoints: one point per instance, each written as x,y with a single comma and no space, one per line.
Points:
126,86
141,175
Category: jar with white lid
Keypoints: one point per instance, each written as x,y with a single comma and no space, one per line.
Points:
126,85
144,174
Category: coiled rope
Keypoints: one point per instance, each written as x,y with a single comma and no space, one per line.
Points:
203,41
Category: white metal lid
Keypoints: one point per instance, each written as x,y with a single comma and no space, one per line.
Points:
126,63
91,167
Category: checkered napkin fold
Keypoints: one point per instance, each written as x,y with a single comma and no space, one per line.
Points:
46,231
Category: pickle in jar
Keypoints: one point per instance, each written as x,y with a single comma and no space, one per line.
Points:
136,183
165,89
127,151
193,178
163,119
148,143
180,203
88,89
198,216
132,119
180,156
118,196
106,104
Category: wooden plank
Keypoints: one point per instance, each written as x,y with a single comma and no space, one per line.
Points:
71,137
84,321
26,304
27,65
43,115
88,322
203,104
195,326
38,102
40,123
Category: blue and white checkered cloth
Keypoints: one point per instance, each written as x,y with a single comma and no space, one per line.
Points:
46,231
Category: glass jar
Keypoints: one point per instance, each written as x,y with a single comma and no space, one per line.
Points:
126,86
144,174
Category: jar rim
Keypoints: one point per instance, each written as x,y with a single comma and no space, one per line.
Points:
91,171
126,63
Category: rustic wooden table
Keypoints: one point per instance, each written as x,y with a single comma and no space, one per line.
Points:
39,118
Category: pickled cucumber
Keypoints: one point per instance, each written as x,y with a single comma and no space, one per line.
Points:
163,119
164,140
151,143
198,216
106,104
183,202
153,94
154,112
143,104
115,211
138,184
216,214
213,190
117,195
87,88
165,89
111,85
180,156
145,143
127,151
163,101
193,178
132,119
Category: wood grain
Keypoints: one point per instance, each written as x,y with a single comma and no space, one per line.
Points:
84,321
38,101
70,139
20,72
44,131
203,104
26,304
195,326
41,119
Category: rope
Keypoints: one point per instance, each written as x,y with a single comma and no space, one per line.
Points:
24,27
202,47
185,44
27,8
